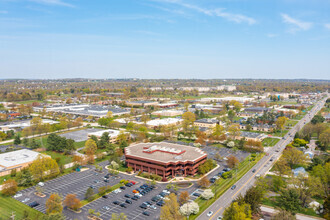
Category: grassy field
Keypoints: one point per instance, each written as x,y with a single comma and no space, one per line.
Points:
64,159
224,184
269,142
291,123
9,205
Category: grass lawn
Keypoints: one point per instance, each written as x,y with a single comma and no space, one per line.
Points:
269,142
9,205
225,184
291,123
64,159
272,201
280,133
79,144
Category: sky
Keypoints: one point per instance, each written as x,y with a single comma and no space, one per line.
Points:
280,39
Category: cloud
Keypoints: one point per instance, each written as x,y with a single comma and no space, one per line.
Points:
296,25
54,2
218,12
327,26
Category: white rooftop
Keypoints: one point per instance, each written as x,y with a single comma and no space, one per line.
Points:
112,133
18,157
164,121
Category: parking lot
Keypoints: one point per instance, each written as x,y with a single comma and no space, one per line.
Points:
224,152
81,135
73,183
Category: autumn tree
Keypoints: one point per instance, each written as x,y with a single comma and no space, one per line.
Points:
43,167
280,122
204,182
54,204
9,187
253,146
281,167
232,161
72,202
188,120
218,133
234,130
184,197
170,211
90,147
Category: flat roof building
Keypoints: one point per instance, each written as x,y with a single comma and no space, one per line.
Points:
163,122
113,134
164,159
168,113
17,160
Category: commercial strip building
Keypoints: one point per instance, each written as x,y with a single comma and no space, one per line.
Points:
113,134
168,113
141,103
155,124
83,110
18,125
164,159
17,160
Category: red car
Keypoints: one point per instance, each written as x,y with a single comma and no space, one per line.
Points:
133,182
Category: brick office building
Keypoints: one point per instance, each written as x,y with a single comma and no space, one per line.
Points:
165,159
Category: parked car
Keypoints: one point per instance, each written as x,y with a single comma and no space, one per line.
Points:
26,200
122,187
146,213
128,201
153,207
196,194
106,208
233,187
41,184
123,205
34,204
254,170
127,196
116,202
18,195
143,206
105,196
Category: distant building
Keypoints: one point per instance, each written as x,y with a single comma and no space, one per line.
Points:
206,122
17,160
168,113
155,124
113,134
84,110
165,159
141,103
256,110
251,136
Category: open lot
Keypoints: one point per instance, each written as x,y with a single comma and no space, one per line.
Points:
80,135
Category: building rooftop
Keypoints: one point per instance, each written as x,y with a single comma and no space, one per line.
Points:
251,134
112,133
207,120
164,121
256,109
164,152
16,158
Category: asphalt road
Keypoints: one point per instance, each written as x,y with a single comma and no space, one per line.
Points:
261,168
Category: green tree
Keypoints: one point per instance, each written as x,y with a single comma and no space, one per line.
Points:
237,212
89,193
289,200
17,139
317,119
121,216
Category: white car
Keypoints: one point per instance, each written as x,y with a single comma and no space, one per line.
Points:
26,200
18,195
41,184
153,207
106,208
209,213
166,191
117,191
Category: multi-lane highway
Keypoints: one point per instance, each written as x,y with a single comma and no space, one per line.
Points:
261,168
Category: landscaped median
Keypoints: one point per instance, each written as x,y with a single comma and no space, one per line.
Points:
224,184
99,195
